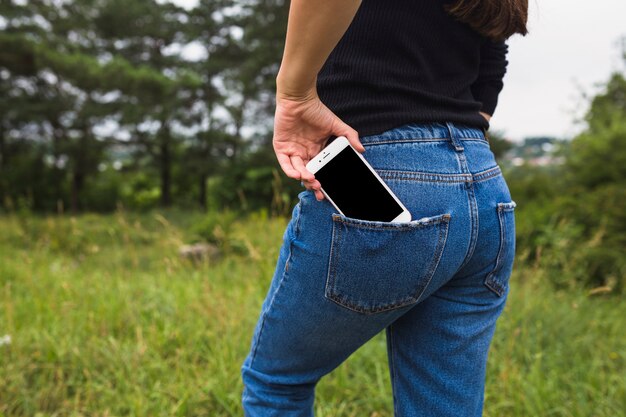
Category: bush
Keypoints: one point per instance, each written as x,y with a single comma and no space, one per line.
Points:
217,228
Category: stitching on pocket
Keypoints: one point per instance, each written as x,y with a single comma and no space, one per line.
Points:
373,302
374,224
491,280
294,223
443,238
296,228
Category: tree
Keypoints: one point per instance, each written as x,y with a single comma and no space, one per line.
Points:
144,32
62,90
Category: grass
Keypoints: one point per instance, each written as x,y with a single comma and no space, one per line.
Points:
106,319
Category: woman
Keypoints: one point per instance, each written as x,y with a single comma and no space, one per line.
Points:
412,84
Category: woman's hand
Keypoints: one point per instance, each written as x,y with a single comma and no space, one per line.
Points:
302,125
485,115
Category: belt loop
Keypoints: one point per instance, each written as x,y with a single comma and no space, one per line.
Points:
455,141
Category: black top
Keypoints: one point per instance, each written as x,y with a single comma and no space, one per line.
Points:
403,61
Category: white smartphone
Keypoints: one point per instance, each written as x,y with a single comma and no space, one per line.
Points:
351,184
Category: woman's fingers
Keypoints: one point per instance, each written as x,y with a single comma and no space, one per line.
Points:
285,164
355,142
352,135
312,185
315,187
294,168
298,164
319,195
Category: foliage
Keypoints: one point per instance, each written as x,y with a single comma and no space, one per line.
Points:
102,109
498,144
572,217
105,318
85,84
217,228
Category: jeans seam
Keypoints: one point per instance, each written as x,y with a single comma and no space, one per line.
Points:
487,174
392,368
297,225
471,199
269,307
443,238
439,178
473,208
366,142
433,130
330,277
402,140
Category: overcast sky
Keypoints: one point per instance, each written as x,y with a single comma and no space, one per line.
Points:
572,46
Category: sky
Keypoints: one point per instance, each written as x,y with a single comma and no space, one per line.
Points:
572,46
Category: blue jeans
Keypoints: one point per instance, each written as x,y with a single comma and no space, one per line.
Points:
436,285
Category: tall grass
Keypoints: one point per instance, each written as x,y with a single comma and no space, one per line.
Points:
105,319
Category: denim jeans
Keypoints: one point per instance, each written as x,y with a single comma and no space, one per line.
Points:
436,285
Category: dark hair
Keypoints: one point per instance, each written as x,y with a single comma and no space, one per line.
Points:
494,19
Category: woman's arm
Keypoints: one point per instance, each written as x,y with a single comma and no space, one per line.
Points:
313,30
302,123
493,65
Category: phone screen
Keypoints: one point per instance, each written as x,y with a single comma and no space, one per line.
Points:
355,189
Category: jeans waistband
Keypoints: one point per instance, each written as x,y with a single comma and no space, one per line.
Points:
416,132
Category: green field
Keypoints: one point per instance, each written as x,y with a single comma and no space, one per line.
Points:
106,319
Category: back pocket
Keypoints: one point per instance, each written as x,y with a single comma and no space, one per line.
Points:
377,266
497,280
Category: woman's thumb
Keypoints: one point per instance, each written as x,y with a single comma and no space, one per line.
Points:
352,135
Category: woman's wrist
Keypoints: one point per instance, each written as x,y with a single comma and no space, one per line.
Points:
293,88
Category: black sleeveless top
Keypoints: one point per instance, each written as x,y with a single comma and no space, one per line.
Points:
403,61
